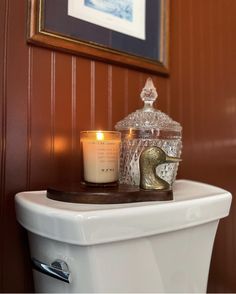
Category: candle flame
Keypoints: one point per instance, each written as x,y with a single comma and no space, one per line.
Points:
100,136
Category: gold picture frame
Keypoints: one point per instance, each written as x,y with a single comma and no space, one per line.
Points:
49,25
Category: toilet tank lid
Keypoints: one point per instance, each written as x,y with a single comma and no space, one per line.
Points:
85,224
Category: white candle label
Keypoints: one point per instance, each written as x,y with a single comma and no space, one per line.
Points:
101,161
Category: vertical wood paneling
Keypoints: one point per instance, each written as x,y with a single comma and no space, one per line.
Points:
101,96
184,79
63,117
16,91
126,93
201,90
118,95
162,102
133,90
73,105
175,88
75,127
41,129
84,92
109,98
3,67
29,117
199,56
92,90
48,97
223,113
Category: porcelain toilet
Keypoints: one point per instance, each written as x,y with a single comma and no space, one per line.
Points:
139,247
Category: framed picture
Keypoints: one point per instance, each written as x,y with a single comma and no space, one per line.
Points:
130,33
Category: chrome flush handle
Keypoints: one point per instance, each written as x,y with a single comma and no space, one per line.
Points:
58,269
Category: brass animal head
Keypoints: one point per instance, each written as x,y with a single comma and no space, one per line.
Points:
149,159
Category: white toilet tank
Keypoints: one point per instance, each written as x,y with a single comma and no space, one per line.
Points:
139,247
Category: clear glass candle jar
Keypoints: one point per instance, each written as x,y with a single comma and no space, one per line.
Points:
101,157
148,127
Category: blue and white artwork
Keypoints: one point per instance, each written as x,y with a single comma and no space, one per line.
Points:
118,8
123,16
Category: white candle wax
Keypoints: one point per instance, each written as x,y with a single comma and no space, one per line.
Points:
101,154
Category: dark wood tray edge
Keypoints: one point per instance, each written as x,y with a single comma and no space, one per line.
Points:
118,195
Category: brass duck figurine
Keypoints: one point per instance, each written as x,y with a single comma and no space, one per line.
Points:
149,159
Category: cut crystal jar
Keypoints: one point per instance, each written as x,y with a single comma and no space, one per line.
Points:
148,127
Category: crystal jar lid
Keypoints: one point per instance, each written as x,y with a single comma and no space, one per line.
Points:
148,117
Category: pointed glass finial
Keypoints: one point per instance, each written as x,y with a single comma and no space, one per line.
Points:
149,95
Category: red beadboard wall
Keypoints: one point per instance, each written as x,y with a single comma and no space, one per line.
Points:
47,97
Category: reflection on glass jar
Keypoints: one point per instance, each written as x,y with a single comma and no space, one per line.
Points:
148,127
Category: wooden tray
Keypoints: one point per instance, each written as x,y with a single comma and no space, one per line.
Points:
107,195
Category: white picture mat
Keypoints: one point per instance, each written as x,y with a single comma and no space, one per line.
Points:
135,28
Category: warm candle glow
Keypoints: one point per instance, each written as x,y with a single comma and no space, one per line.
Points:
99,136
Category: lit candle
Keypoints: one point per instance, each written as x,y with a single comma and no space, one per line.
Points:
101,153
